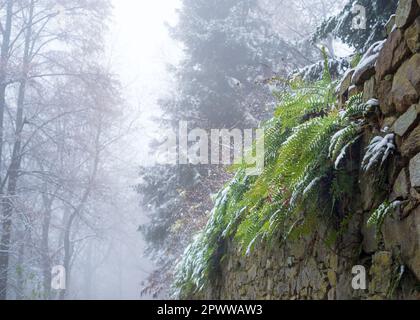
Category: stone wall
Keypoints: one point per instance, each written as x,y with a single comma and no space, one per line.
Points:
312,266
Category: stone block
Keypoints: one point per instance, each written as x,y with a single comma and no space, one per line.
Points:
412,36
415,171
406,84
407,120
394,52
411,144
406,12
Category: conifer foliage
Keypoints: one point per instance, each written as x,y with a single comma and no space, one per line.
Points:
342,25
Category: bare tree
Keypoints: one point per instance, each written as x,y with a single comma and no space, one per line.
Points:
51,80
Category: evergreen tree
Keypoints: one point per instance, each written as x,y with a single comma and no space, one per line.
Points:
378,13
231,50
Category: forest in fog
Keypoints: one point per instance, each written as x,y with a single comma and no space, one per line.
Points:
87,88
64,195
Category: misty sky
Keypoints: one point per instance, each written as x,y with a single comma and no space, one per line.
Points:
140,49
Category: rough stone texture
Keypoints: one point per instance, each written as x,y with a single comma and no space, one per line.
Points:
407,120
320,276
385,97
367,199
369,244
415,171
353,90
411,145
343,88
370,90
381,272
401,188
412,36
415,195
394,52
406,84
294,274
388,122
406,12
346,82
402,237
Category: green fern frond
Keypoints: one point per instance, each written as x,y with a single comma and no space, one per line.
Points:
356,109
199,261
341,141
378,151
354,100
306,101
378,217
304,148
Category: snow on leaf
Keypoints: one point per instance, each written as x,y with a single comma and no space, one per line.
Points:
378,151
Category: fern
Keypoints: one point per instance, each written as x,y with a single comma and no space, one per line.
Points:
305,101
305,150
378,151
301,163
341,142
356,59
357,110
378,217
199,261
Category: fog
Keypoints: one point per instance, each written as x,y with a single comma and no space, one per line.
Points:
139,50
81,84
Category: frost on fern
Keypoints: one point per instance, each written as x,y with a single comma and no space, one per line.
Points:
305,101
378,217
200,260
341,142
357,110
378,151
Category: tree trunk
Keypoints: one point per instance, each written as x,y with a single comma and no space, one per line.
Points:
20,276
13,172
45,255
4,56
68,247
6,219
68,252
